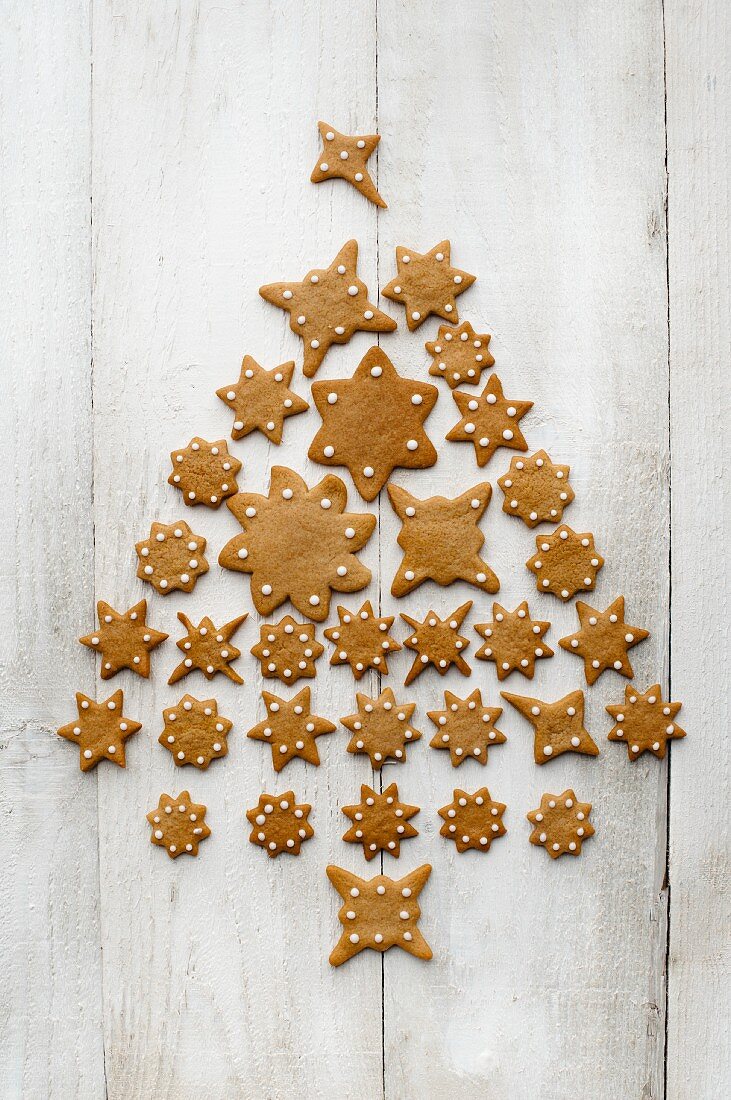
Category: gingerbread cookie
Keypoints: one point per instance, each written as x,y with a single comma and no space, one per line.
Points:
204,472
466,728
373,422
381,728
437,642
178,825
460,355
298,544
208,648
559,726
472,820
123,641
644,722
536,489
287,650
279,824
290,728
566,563
380,821
426,283
489,421
362,640
604,639
171,559
345,157
513,641
328,307
262,400
195,733
379,913
561,824
100,730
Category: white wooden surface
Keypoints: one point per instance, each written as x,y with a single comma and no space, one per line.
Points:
535,136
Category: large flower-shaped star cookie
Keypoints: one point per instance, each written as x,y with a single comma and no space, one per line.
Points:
261,400
472,820
287,650
426,283
381,728
195,733
513,641
279,824
290,728
466,728
171,559
558,727
489,421
644,722
100,730
379,913
561,824
566,562
208,648
437,642
205,473
362,640
604,639
178,824
345,156
460,355
380,821
123,641
536,489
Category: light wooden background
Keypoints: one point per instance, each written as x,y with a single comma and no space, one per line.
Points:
155,171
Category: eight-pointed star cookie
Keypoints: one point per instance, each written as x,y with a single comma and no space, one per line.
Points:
171,559
290,728
345,156
123,641
441,539
178,824
100,731
362,640
373,422
205,473
460,354
489,421
472,820
426,283
380,821
379,913
298,543
559,726
536,489
513,640
262,400
195,733
328,306
566,562
603,640
381,728
466,728
279,824
288,650
208,648
561,824
644,722
437,642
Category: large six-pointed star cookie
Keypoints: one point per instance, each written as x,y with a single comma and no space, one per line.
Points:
100,731
489,421
123,641
290,728
262,400
344,156
604,639
426,283
379,913
644,722
558,727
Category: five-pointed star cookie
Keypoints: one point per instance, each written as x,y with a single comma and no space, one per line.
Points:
205,473
472,820
644,722
460,354
328,307
288,650
298,544
123,641
426,283
344,157
536,489
513,641
379,913
171,559
559,726
262,400
381,728
561,824
466,728
362,640
290,728
373,422
380,821
208,648
279,824
195,733
100,731
441,539
489,421
603,640
566,562
437,642
178,824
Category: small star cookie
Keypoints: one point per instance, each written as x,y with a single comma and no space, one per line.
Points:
195,733
513,641
460,354
566,562
205,473
328,307
472,820
178,825
373,422
290,728
344,157
261,400
279,824
644,722
489,421
437,642
380,821
379,913
298,544
381,728
561,824
466,728
559,726
536,489
100,730
362,640
287,650
171,559
123,641
603,640
426,284
208,648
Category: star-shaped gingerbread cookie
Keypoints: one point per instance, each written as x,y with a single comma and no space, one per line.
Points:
644,722
427,284
466,728
566,562
100,730
379,913
208,648
559,726
373,422
178,824
262,400
287,650
437,642
298,544
513,641
380,821
290,728
561,824
328,307
195,733
362,640
279,824
460,355
344,157
489,421
604,639
123,641
171,559
472,820
205,473
536,489
381,728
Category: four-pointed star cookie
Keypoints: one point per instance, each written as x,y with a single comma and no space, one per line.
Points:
426,283
379,913
559,726
345,156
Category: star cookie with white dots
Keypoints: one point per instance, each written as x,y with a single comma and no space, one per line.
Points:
561,824
100,730
489,421
380,821
437,642
290,728
345,157
123,640
178,825
566,562
558,727
536,489
261,400
279,824
427,284
604,640
287,650
466,728
208,648
195,733
644,722
381,728
513,641
362,640
472,821
205,473
379,913
460,355
171,559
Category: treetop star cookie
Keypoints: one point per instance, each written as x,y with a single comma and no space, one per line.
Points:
373,422
489,421
205,473
100,730
279,824
460,354
195,733
171,559
437,642
290,728
604,639
208,648
559,726
381,728
328,307
561,824
288,650
380,821
644,722
466,728
472,820
178,824
345,157
298,544
379,913
513,641
123,640
536,489
426,283
262,400
566,562
362,640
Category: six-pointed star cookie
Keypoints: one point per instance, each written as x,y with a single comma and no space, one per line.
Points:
171,559
379,913
178,825
603,640
100,731
381,728
536,489
466,728
261,400
373,422
489,421
566,562
513,641
288,650
362,640
472,820
279,824
559,726
441,539
290,728
380,821
205,473
561,824
426,283
460,354
208,648
328,306
195,733
344,156
644,722
437,642
123,641
298,544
